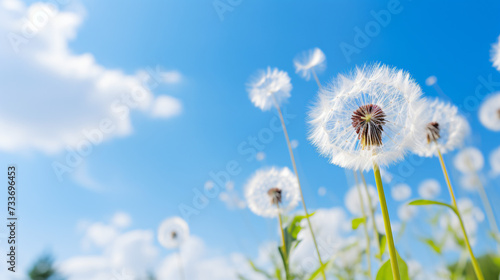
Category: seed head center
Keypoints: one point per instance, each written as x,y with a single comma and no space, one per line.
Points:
368,122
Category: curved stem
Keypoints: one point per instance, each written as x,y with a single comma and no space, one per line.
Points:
300,188
372,212
316,78
475,264
387,223
365,226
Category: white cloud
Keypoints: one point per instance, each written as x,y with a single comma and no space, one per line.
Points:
171,77
50,95
121,220
166,107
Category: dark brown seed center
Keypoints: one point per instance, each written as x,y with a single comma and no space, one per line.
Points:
275,195
368,121
433,132
174,235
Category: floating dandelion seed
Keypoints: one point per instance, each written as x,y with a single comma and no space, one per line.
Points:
431,80
271,186
469,160
489,112
429,189
401,192
495,54
311,62
369,116
443,129
269,88
173,232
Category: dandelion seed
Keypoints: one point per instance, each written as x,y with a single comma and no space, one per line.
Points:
269,187
489,112
310,63
444,129
269,88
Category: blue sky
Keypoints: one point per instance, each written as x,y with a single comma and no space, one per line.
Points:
150,170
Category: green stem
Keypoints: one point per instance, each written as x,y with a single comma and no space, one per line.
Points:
475,264
285,253
372,212
365,226
387,223
300,188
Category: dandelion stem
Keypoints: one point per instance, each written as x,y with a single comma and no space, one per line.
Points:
387,223
372,212
316,78
487,207
475,264
300,188
285,257
365,226
181,267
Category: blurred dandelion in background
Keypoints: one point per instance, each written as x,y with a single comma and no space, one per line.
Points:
489,112
310,63
269,88
265,179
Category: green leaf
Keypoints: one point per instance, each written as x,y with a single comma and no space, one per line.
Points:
385,271
382,240
419,202
357,221
432,244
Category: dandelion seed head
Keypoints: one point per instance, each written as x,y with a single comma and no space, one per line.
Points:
495,54
407,212
444,129
469,160
308,61
431,80
371,115
353,203
269,187
495,162
489,112
173,232
429,189
268,88
401,192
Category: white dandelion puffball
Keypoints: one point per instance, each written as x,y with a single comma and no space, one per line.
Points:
469,160
321,191
371,116
489,112
495,54
352,202
308,61
495,162
431,80
257,191
173,232
429,189
269,88
470,181
445,129
407,212
401,192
